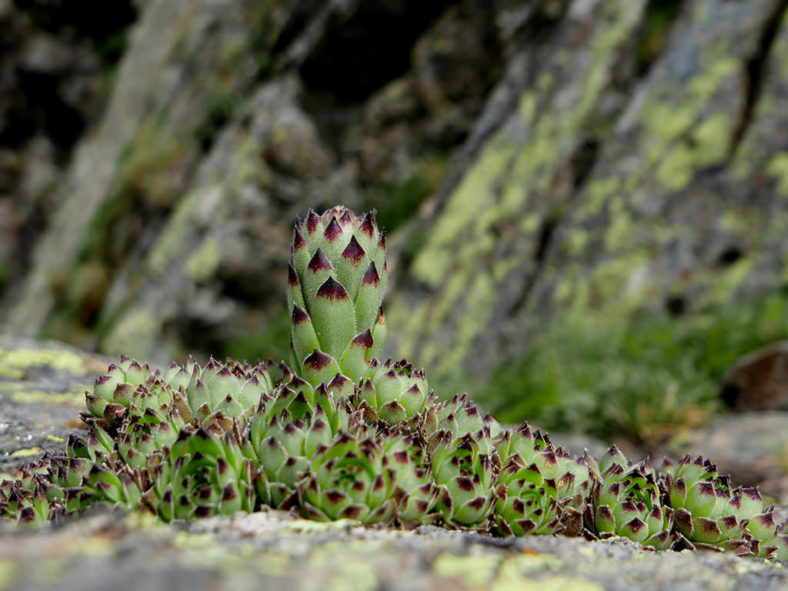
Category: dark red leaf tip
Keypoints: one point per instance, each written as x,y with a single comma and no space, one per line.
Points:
298,239
317,360
371,277
319,262
332,290
363,340
345,219
477,503
368,224
333,231
299,315
353,252
312,221
292,276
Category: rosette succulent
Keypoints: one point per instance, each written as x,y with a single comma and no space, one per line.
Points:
414,488
464,475
541,489
288,428
204,473
130,388
712,514
336,281
348,479
626,502
395,391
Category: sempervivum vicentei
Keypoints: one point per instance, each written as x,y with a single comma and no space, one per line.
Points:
627,502
349,479
395,391
712,514
336,281
541,489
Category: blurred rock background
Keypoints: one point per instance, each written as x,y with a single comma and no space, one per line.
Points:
587,201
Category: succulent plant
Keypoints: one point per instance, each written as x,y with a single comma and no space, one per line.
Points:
541,489
710,513
395,391
131,388
342,435
626,502
336,281
414,487
348,479
287,429
464,475
204,473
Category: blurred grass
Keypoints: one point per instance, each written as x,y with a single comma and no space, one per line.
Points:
642,378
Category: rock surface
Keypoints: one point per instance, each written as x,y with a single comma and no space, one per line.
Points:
577,156
615,180
42,391
274,550
758,381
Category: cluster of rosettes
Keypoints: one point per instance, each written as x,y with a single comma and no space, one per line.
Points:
343,435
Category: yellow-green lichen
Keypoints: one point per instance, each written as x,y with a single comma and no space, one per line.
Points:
354,572
203,263
778,168
72,397
309,526
495,197
468,200
476,570
478,308
675,171
26,452
14,363
8,570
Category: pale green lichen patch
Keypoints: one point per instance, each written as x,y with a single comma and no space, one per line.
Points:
72,397
477,570
508,195
309,526
778,168
203,263
505,573
26,452
15,363
8,570
354,572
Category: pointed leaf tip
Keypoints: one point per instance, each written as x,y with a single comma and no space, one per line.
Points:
371,277
333,231
319,262
353,252
318,360
368,224
363,340
298,239
299,315
312,221
292,276
332,290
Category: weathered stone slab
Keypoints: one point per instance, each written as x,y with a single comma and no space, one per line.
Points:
42,386
274,550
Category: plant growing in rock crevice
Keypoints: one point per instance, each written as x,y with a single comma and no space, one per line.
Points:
341,434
